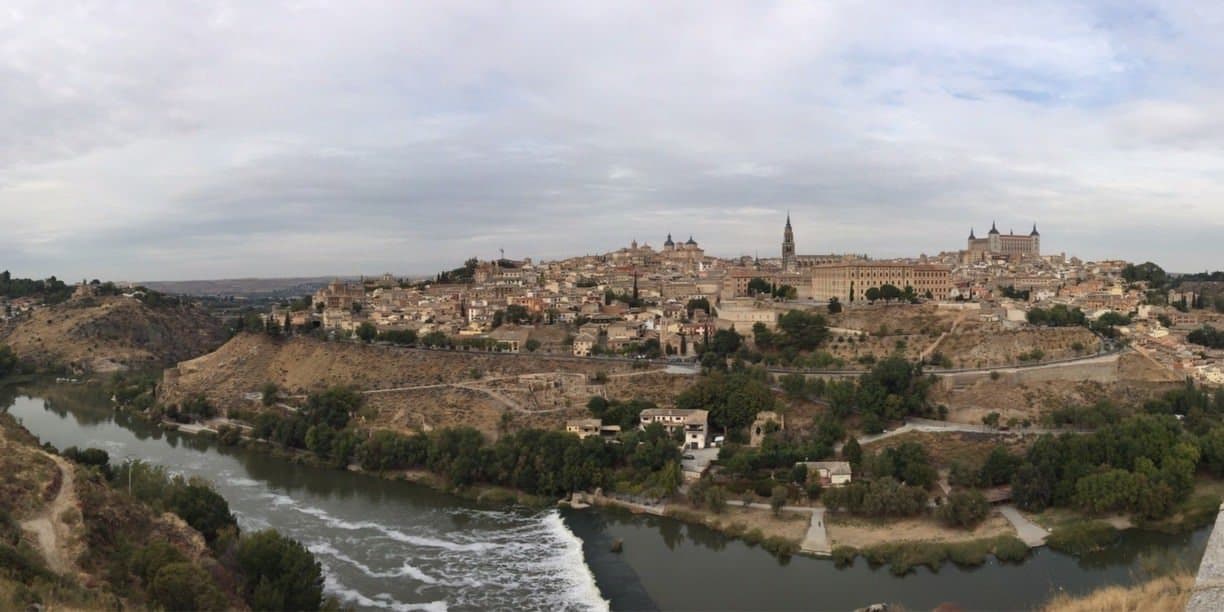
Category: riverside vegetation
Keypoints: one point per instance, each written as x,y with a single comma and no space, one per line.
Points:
122,552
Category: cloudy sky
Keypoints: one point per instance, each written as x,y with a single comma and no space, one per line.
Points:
175,140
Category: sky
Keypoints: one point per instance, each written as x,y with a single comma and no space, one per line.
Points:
196,140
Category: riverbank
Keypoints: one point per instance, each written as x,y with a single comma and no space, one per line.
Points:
387,543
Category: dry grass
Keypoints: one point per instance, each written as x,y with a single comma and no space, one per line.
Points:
1165,593
947,448
864,533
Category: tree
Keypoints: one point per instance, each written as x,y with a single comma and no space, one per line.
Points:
777,499
532,345
999,468
889,292
725,342
367,332
964,509
852,452
802,330
835,306
758,285
269,393
202,508
186,586
696,304
517,314
991,420
279,573
8,361
872,294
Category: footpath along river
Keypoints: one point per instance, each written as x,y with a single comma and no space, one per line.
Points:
399,546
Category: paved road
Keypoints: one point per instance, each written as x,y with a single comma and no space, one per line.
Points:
816,541
1029,532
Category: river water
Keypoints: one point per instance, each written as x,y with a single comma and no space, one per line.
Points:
399,546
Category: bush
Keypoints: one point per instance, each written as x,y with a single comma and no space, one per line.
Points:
1082,537
1010,549
843,556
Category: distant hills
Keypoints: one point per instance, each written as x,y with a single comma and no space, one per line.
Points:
244,287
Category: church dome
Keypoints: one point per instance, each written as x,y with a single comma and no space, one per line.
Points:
691,241
669,241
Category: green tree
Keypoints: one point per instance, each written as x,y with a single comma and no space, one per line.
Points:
532,345
517,314
186,586
367,332
269,393
872,294
803,330
279,573
999,468
889,292
8,361
966,509
203,508
777,499
758,286
852,452
835,306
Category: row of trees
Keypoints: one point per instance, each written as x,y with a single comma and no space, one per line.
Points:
1058,315
1145,465
51,290
797,330
890,293
893,389
733,398
535,461
760,286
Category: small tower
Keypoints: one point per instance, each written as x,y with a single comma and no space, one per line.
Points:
788,246
996,242
1035,241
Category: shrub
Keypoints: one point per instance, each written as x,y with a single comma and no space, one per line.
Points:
1082,537
1010,549
843,556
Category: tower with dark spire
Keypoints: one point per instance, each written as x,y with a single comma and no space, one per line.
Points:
788,245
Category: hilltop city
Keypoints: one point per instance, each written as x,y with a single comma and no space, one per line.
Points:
646,301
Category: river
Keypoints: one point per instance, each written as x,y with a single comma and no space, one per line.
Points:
399,546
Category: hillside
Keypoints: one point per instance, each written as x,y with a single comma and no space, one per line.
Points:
108,334
426,388
69,541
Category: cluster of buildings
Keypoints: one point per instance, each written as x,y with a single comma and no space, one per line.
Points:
667,300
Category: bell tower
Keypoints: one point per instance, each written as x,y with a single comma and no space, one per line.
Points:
788,245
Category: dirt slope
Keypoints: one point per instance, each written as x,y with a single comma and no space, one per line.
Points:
432,388
112,333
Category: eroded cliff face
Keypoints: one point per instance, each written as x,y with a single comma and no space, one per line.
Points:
108,334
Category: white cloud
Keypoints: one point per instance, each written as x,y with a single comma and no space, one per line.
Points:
338,137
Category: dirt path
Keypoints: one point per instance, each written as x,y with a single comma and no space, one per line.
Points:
51,535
